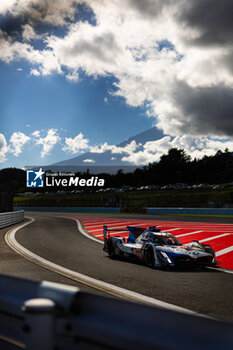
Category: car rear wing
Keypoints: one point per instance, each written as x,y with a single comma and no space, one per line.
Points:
106,231
134,231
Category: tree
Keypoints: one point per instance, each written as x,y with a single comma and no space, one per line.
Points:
12,180
174,166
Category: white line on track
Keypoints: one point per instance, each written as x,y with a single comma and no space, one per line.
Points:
103,223
172,229
86,223
94,283
214,237
108,223
112,226
85,233
225,251
220,270
190,233
97,222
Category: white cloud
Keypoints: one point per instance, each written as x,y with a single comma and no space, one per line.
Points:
196,147
73,76
35,72
5,5
75,145
101,148
142,158
90,161
3,148
36,133
44,11
87,47
128,148
150,152
48,142
46,60
168,77
29,33
17,142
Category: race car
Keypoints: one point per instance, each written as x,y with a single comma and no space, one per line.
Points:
156,248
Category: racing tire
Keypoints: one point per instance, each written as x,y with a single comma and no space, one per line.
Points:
211,251
111,249
149,256
208,249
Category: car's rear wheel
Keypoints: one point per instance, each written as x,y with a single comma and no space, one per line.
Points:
149,256
111,249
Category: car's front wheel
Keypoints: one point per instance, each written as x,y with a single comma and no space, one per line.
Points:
208,249
149,256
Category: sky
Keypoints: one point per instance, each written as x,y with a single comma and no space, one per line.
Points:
83,76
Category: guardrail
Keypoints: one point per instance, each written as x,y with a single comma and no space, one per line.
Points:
11,218
45,315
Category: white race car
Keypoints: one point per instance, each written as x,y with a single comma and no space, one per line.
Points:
157,248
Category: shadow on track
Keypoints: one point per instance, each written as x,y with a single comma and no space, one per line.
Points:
171,269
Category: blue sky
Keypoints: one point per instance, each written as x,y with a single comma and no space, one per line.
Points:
82,76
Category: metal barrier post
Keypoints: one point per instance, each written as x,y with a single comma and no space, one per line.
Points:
40,324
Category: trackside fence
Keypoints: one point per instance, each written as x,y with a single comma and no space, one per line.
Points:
11,218
44,315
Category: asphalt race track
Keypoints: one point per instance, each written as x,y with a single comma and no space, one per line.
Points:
57,239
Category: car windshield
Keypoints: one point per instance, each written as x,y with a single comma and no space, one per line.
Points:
165,240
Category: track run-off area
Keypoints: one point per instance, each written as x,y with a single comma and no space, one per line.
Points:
219,236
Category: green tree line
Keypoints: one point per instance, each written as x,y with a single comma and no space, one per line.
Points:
177,167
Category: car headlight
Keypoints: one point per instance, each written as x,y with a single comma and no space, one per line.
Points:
164,257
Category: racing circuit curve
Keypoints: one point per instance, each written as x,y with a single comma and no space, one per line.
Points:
57,239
